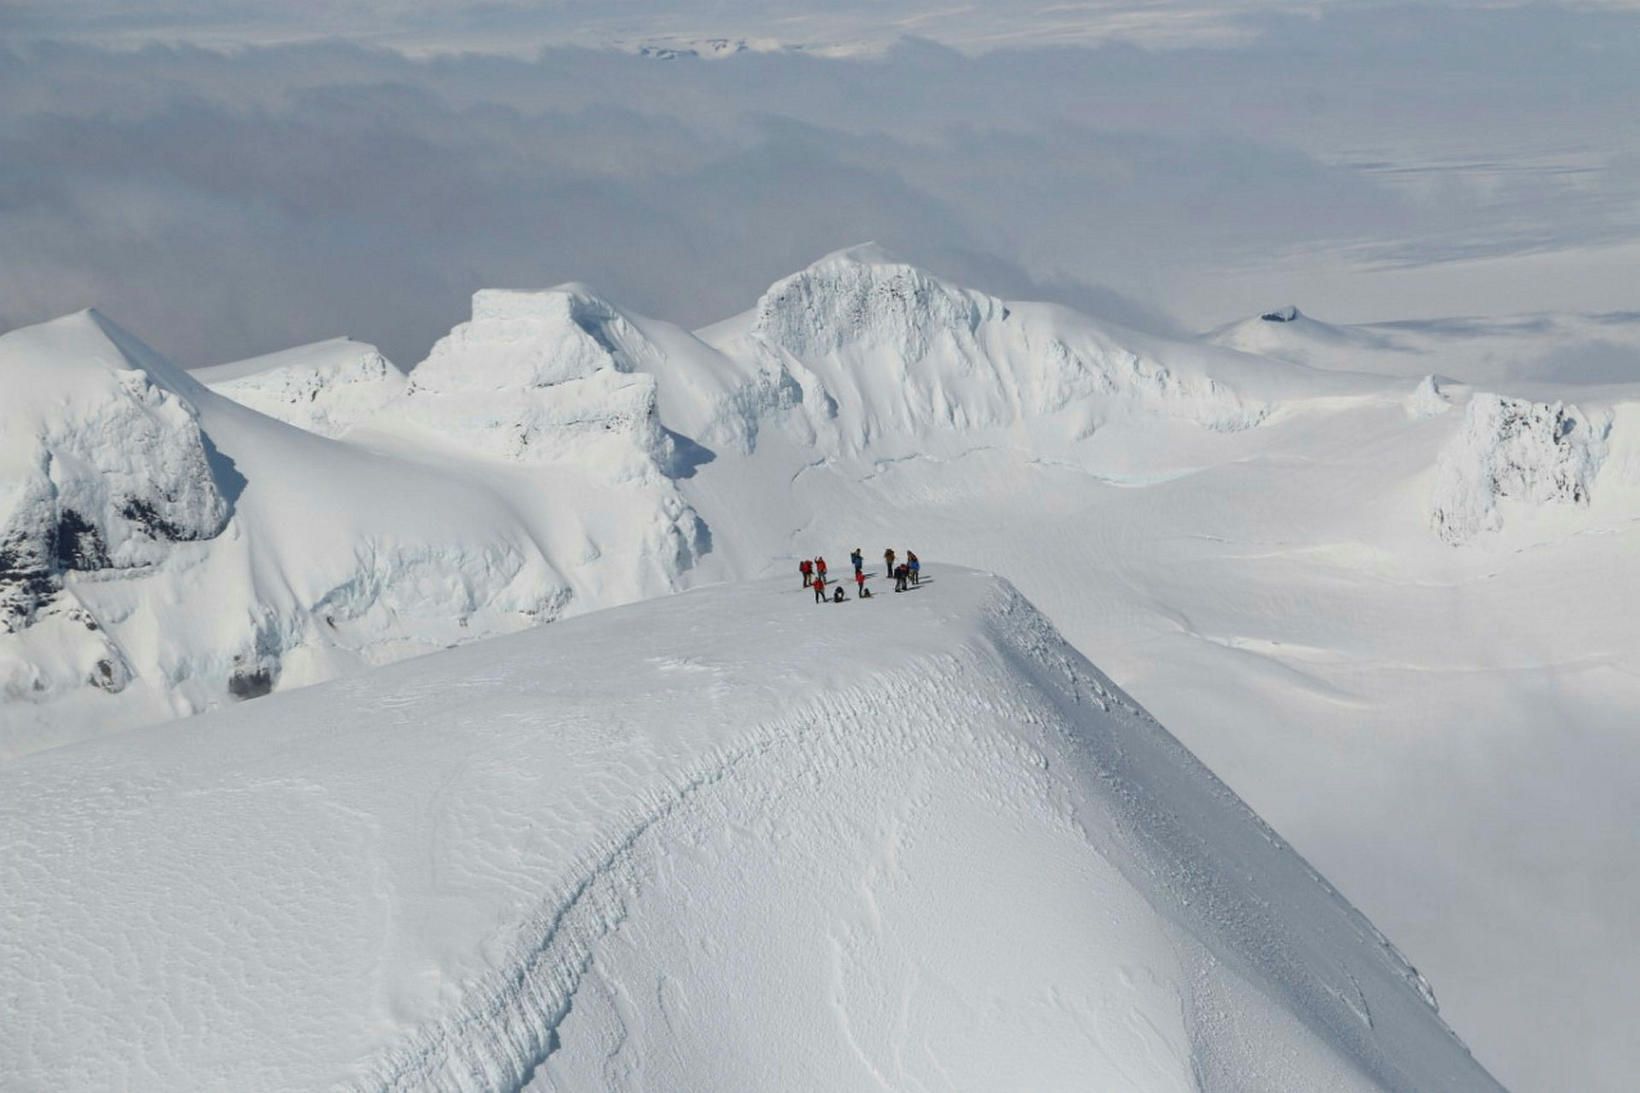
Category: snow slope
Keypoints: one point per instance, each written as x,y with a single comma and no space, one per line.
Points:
725,840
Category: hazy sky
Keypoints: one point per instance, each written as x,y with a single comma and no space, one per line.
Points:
1178,166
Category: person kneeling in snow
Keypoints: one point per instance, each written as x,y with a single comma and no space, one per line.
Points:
837,596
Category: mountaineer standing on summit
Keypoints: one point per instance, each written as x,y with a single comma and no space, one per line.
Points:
888,562
806,568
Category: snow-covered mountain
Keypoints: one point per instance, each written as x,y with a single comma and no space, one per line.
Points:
727,840
168,550
571,431
1381,585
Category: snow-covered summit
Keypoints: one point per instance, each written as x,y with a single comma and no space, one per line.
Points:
541,376
1287,334
864,297
328,387
103,465
727,840
888,355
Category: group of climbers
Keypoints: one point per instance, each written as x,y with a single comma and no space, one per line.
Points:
906,575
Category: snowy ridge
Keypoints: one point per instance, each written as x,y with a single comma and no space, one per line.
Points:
1508,448
863,843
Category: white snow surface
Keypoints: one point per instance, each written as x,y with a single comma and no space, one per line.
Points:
1258,545
725,840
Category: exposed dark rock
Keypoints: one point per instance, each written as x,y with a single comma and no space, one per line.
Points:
145,516
105,676
251,682
77,546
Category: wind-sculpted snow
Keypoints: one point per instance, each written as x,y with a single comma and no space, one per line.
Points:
1532,452
727,840
326,388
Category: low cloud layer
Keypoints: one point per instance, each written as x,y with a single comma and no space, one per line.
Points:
225,204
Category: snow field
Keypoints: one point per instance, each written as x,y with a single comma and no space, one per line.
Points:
729,839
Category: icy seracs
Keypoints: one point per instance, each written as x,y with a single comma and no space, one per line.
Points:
1509,448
